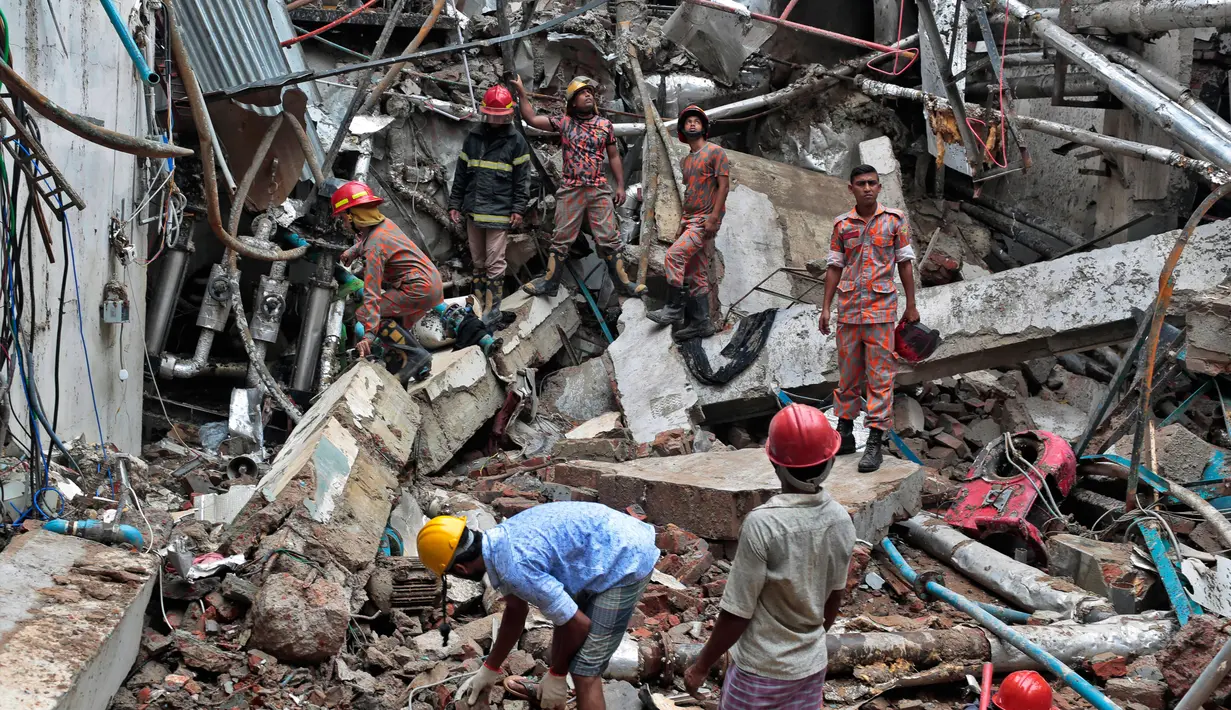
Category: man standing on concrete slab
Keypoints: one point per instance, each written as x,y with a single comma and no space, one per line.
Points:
399,280
491,191
788,578
707,180
866,243
583,565
583,192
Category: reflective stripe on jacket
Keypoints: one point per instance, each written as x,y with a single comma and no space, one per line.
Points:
492,178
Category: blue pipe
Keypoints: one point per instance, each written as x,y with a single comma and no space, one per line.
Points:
148,75
97,531
1009,616
1083,687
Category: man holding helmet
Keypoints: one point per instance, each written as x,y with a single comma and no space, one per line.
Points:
788,578
583,192
491,190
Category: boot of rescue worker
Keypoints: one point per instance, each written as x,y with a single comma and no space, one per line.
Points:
478,287
697,323
493,294
873,451
404,356
615,264
549,283
846,429
673,312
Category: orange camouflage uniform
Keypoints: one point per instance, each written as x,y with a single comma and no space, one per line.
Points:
410,281
867,252
583,189
688,259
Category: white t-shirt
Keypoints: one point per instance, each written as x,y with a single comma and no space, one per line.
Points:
794,551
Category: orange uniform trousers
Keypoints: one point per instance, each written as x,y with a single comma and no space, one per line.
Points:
866,366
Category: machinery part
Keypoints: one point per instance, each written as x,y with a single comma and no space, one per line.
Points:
96,530
216,305
170,367
1036,652
243,466
329,349
256,358
1146,18
162,306
1021,584
200,117
998,496
245,183
403,355
269,305
414,587
83,128
312,330
147,75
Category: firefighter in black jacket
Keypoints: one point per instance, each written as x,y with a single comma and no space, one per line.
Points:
491,190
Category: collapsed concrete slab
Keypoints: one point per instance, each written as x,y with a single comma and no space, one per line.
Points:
534,338
326,500
71,614
709,494
1106,569
1078,302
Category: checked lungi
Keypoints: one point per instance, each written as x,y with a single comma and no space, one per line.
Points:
745,691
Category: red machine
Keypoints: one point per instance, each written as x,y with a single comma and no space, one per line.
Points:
1003,496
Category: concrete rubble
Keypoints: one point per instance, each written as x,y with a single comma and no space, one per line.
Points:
247,538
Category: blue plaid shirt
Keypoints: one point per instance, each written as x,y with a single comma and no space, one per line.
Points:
551,553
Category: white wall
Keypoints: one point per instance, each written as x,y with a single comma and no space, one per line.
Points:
96,80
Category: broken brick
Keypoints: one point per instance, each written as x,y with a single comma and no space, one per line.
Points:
202,654
576,474
508,507
860,557
715,589
694,567
675,540
684,600
673,442
654,603
1109,665
1151,694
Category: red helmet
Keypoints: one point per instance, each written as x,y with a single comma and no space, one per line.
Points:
915,342
691,110
353,194
497,101
1023,690
801,436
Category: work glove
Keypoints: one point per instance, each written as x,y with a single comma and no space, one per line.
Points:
478,685
553,691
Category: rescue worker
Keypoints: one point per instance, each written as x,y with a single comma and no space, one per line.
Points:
787,580
1023,690
866,243
583,565
583,192
706,183
399,280
491,190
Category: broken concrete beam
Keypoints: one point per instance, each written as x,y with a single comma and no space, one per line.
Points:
582,392
534,338
1074,303
333,481
300,622
1106,569
1182,455
1208,334
72,616
460,396
1066,421
709,494
879,153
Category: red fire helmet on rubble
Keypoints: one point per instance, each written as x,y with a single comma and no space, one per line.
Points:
915,342
801,436
497,101
1023,690
353,194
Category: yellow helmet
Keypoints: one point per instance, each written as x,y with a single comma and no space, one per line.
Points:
438,540
577,84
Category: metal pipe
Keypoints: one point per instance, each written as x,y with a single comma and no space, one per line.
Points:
1038,87
1145,423
79,126
1148,18
1149,103
1037,240
1204,169
309,153
245,183
1026,587
1054,665
171,368
312,330
1164,83
392,73
255,359
333,336
148,75
1209,679
828,34
200,116
162,307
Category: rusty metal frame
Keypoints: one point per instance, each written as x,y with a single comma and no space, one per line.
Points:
957,102
760,287
37,166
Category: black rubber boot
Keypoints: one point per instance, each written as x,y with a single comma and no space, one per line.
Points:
403,356
478,287
846,430
549,283
615,264
697,323
673,312
495,291
873,453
